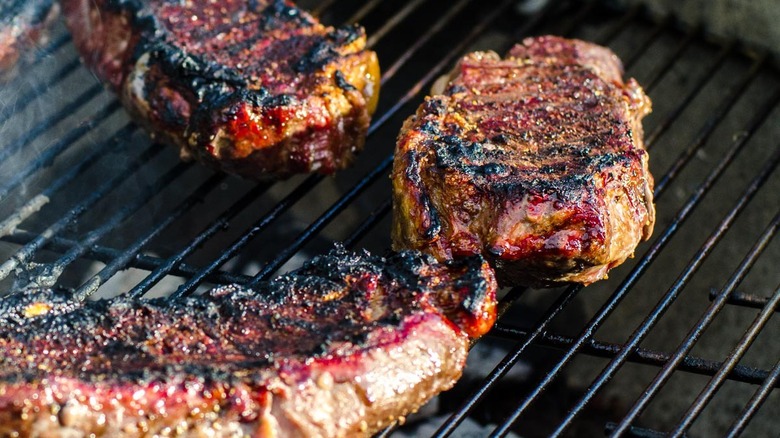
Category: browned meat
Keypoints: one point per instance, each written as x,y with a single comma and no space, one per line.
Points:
23,24
341,347
535,161
258,88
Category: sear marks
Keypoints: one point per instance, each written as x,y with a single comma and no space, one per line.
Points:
23,25
341,347
256,88
535,161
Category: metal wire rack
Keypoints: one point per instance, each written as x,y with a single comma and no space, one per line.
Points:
89,203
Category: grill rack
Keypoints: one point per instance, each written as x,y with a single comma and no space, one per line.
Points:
44,245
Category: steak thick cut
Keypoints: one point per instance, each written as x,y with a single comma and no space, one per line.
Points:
341,347
258,88
535,161
23,25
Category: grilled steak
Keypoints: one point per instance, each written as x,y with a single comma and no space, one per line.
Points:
341,347
258,88
535,161
23,24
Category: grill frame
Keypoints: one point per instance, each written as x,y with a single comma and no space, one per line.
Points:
86,246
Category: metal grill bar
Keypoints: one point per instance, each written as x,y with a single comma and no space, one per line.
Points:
106,255
424,38
671,294
25,254
609,350
368,6
475,31
37,202
744,299
220,223
755,402
710,126
697,330
638,432
14,147
665,67
189,287
706,395
675,113
55,45
322,7
648,41
47,157
503,367
51,272
378,214
393,22
320,223
115,265
27,98
637,272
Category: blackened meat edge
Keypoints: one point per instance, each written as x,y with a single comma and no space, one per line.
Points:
341,347
535,161
258,88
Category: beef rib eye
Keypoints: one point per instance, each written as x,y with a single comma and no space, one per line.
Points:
535,161
341,347
257,88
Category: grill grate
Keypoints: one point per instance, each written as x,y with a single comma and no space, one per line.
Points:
88,203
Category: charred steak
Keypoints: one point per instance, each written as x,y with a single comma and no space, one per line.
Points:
535,161
341,347
23,24
258,88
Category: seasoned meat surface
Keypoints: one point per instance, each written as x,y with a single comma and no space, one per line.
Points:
535,161
341,347
258,88
23,24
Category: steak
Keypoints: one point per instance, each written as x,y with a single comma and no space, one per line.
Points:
23,25
257,88
341,347
535,161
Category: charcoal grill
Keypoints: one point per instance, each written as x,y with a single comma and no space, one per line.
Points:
88,203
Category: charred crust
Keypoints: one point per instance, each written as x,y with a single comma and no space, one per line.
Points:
278,13
347,34
318,56
472,280
455,89
333,304
325,50
251,81
430,221
342,82
430,128
434,106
